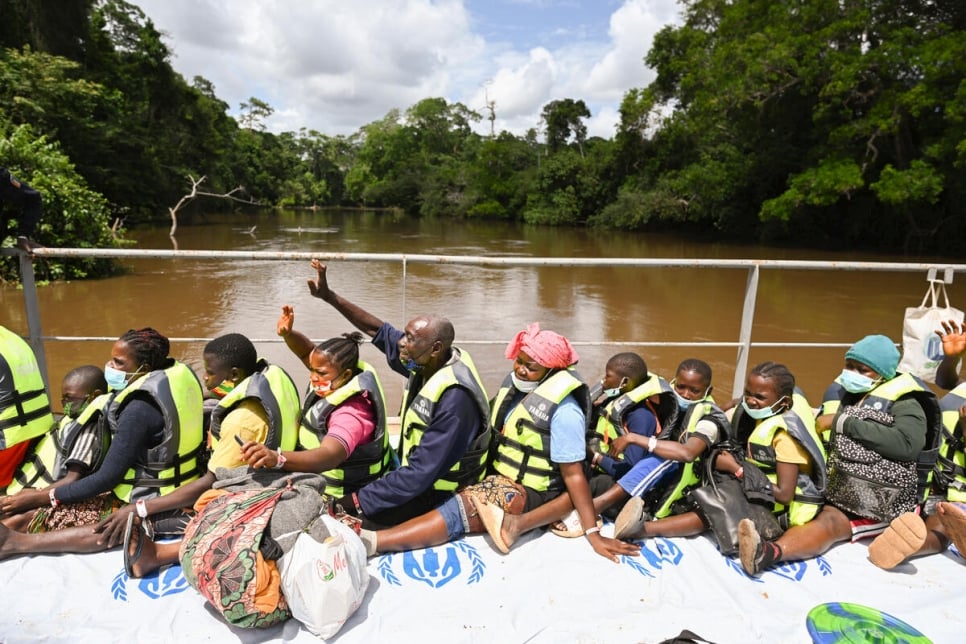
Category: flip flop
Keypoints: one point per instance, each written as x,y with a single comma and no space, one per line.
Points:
630,521
492,517
569,527
129,558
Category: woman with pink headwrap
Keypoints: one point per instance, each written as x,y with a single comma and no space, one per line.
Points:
539,420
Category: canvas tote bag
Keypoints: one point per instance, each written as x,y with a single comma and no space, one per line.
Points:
922,349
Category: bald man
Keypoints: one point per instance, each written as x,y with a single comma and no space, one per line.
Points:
444,434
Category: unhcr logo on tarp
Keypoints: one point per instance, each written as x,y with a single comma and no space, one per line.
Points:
434,567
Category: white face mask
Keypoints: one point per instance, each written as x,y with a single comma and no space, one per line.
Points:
526,386
764,412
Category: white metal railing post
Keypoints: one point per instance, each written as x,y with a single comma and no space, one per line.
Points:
405,318
32,308
744,334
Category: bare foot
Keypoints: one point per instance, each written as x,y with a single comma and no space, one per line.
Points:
5,534
143,554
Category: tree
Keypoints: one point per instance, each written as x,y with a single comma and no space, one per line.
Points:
562,120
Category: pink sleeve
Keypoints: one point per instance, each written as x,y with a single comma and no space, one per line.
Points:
353,422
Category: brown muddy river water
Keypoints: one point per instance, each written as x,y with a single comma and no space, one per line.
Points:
596,307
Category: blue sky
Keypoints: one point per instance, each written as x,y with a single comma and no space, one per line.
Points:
334,66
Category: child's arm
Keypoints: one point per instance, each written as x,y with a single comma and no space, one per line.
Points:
297,342
579,491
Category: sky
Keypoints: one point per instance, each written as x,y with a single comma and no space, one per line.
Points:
336,65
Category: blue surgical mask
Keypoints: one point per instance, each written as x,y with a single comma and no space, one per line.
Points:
117,379
764,412
411,366
613,392
683,403
855,382
526,386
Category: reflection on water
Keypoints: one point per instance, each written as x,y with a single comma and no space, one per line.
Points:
488,305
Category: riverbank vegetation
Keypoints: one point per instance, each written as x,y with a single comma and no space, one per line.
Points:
820,123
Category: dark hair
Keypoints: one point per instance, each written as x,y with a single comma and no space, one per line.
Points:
630,365
784,380
699,367
148,346
234,350
88,377
342,351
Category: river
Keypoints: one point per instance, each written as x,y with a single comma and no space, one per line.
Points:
188,298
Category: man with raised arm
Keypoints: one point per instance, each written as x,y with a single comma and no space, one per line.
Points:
444,434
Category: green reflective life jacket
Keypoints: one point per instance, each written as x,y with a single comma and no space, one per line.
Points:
522,435
369,460
610,421
460,371
882,398
175,461
799,422
24,405
274,390
952,460
46,462
689,474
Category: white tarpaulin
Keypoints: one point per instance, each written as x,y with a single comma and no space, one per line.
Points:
548,589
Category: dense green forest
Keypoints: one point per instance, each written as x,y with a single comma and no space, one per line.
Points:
814,122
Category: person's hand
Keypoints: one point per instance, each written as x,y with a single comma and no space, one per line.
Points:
320,288
824,421
954,338
612,548
285,322
258,456
21,502
620,444
112,528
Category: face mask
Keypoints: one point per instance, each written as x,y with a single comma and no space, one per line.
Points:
856,383
74,412
224,388
323,389
526,386
613,392
684,403
765,412
410,364
116,379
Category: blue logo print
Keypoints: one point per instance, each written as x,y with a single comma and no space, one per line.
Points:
434,567
664,552
791,570
167,581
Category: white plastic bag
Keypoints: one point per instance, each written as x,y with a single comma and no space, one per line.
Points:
922,349
324,583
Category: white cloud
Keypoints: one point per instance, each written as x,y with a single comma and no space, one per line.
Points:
334,66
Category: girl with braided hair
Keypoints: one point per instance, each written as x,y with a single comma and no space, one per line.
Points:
155,421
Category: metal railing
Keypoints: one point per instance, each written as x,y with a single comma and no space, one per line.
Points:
743,343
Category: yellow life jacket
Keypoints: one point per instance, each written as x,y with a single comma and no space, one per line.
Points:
46,462
689,474
610,421
417,414
274,390
368,461
522,437
799,422
24,405
952,460
882,398
175,461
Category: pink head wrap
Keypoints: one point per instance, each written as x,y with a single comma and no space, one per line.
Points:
548,348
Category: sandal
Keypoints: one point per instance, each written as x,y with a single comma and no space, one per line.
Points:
491,515
570,527
129,557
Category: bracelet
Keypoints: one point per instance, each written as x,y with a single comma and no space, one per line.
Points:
141,508
739,472
651,443
590,531
280,463
598,457
53,499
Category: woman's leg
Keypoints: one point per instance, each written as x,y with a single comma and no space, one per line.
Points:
799,542
81,539
688,524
